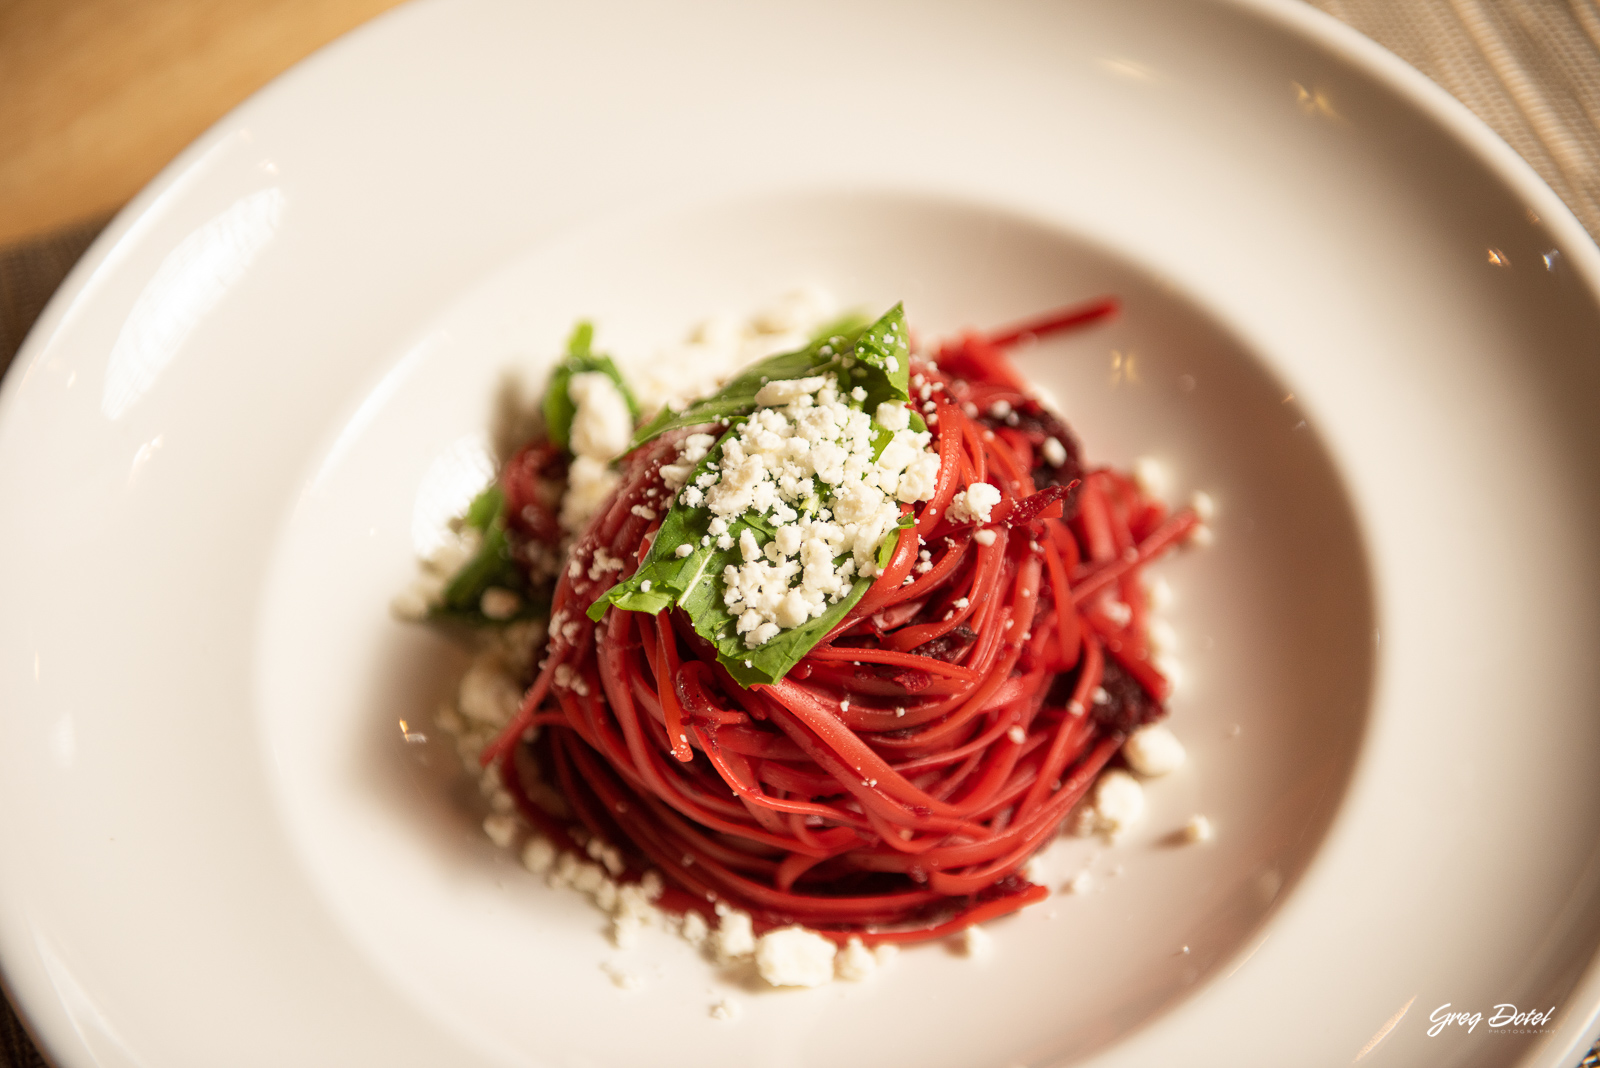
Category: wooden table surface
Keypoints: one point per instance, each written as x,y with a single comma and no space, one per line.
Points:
96,96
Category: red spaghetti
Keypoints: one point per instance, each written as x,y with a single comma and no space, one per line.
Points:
894,783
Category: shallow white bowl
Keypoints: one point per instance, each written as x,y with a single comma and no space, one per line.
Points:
1353,316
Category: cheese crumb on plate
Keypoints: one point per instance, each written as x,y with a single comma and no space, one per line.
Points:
794,956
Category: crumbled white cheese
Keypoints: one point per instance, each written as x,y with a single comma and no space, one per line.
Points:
800,310
1163,636
779,394
498,603
602,425
588,878
695,930
974,503
1151,476
631,913
1153,750
455,552
975,942
805,462
921,478
855,962
1035,870
449,720
726,1009
488,693
1202,536
735,937
1198,829
501,828
539,854
1080,883
602,428
412,604
1203,506
489,786
794,956
1118,801
892,416
602,563
590,482
676,474
984,536
607,854
427,589
1171,667
561,875
621,977
718,347
1055,453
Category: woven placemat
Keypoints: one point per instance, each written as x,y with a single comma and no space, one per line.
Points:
1528,68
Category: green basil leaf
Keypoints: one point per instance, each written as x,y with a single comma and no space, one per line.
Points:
882,362
862,357
738,396
580,359
492,565
693,582
886,550
874,358
672,578
768,663
485,507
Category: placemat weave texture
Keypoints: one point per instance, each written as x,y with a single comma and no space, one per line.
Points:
1528,68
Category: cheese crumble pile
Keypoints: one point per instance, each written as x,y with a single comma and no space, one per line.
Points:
805,461
602,428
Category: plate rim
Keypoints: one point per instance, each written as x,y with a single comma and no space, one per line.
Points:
1569,1042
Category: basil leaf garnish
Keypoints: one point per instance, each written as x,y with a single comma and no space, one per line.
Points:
491,565
875,357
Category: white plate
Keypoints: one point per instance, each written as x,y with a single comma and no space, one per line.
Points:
263,384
